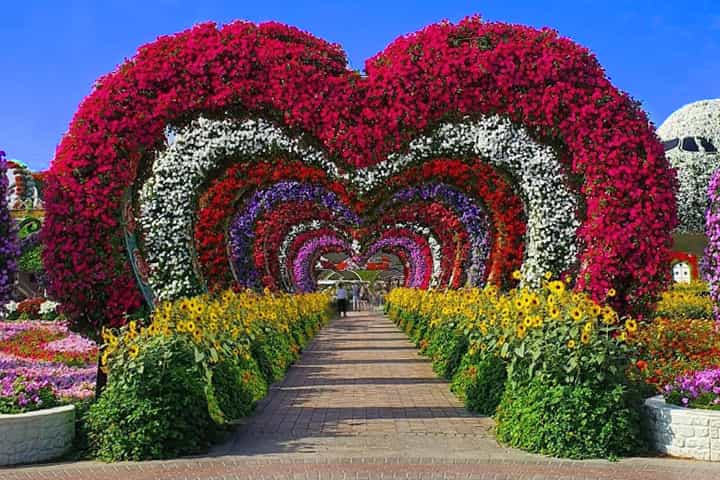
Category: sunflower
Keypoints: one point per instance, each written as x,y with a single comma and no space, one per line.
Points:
631,325
554,312
527,322
548,275
517,275
588,327
611,292
133,351
576,314
521,330
571,344
557,287
585,337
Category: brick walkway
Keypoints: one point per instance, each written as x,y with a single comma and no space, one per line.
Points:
361,403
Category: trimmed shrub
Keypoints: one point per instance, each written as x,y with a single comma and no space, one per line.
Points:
480,382
571,421
153,407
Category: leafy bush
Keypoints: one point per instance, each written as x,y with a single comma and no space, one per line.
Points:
446,348
174,382
238,384
480,382
154,405
274,353
558,348
573,421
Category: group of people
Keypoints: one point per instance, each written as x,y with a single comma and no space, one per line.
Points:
359,297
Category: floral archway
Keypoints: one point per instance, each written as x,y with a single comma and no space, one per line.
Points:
236,155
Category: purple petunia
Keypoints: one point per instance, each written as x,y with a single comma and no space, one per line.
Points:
699,389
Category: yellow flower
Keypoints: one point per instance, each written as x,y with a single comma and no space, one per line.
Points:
190,325
527,322
631,325
622,337
557,287
517,275
521,330
571,344
133,351
576,313
588,327
548,275
554,312
585,337
611,292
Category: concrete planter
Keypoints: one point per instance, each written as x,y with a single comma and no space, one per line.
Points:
683,432
36,436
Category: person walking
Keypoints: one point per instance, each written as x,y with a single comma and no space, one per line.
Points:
341,296
356,297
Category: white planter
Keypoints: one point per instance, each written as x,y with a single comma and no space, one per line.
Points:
683,432
36,436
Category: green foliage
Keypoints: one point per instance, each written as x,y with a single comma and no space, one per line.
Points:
572,421
447,346
155,406
273,352
480,382
30,260
238,384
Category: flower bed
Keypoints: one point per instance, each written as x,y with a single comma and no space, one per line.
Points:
671,347
36,353
211,355
549,364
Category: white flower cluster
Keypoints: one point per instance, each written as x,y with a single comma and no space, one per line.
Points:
550,205
692,139
48,306
169,196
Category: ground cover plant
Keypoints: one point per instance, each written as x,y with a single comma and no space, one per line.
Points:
42,364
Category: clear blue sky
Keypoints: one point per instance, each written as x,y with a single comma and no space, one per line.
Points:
664,53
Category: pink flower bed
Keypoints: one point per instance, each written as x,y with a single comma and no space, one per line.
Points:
67,382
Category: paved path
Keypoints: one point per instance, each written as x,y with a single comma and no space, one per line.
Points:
361,403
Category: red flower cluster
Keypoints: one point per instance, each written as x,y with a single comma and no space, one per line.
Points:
553,87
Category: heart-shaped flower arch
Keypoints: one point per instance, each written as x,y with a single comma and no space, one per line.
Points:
590,191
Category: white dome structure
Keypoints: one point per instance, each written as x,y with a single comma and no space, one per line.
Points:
691,136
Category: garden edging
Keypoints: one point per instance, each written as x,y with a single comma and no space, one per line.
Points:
36,436
683,432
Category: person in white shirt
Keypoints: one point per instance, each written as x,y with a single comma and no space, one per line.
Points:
341,295
356,297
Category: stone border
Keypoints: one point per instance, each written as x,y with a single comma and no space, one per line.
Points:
37,436
683,432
